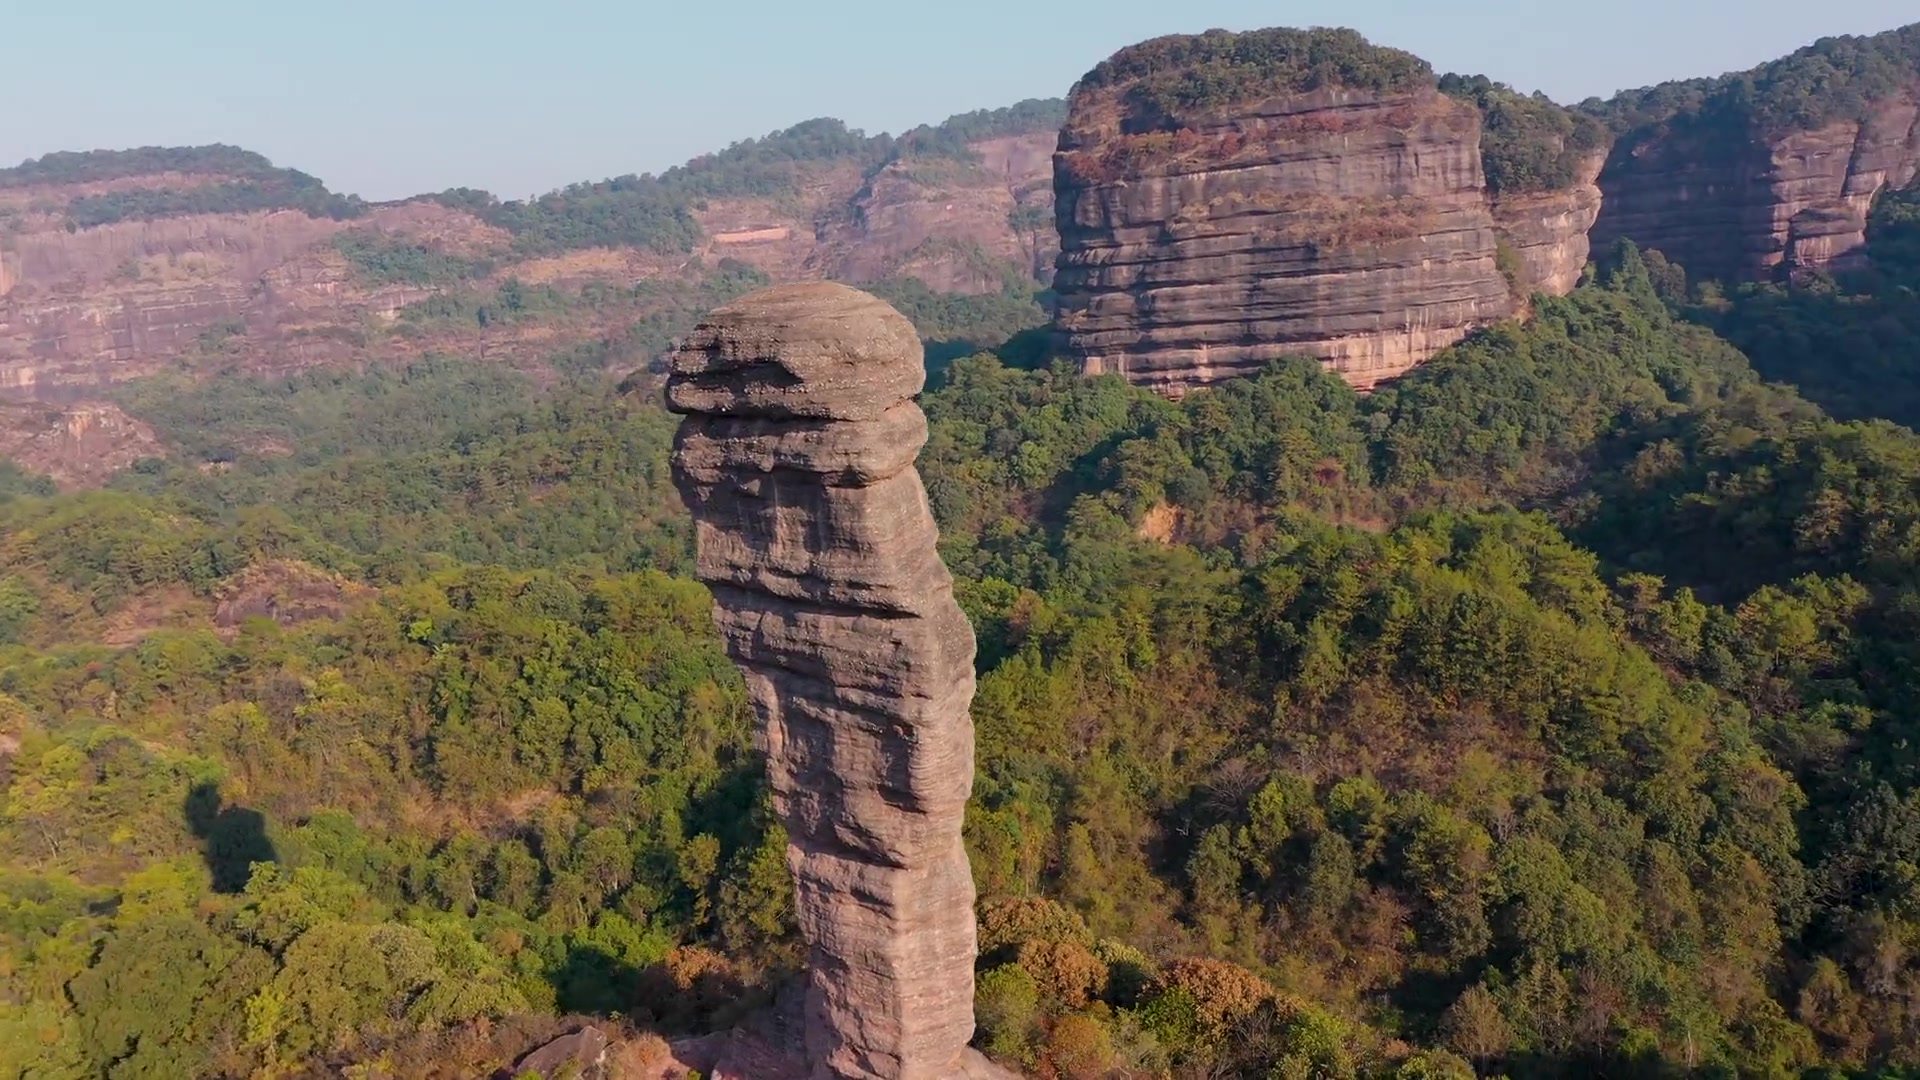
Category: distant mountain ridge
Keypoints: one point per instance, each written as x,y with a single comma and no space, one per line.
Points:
119,264
1768,172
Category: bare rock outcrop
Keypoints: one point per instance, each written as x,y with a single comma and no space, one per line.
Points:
957,224
814,533
287,592
583,1055
1205,234
1548,231
1732,201
78,445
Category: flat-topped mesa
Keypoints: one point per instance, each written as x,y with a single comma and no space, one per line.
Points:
814,533
1227,199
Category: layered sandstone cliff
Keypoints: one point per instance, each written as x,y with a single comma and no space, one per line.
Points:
1200,242
1728,198
1548,231
814,533
81,308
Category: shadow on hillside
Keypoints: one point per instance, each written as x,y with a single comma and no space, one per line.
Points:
232,838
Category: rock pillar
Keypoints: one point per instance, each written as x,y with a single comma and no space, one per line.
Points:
813,531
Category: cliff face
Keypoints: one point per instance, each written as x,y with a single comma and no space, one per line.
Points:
814,533
79,445
80,309
1348,225
1548,231
1733,203
933,219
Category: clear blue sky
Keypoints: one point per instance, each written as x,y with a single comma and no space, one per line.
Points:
401,96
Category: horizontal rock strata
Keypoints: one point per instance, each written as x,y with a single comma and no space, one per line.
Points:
1348,225
813,531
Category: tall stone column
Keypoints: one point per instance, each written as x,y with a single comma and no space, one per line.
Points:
813,531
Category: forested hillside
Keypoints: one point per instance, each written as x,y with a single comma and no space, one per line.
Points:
1547,713
1850,340
1552,710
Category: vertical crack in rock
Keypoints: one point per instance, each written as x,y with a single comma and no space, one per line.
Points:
813,531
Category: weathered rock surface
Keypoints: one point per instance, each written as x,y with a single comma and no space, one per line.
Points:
1548,231
765,1047
582,1055
83,309
78,445
936,219
1350,225
813,531
286,591
1732,203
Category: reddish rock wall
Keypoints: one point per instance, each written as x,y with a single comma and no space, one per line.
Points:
1731,204
80,309
813,531
1548,231
1342,224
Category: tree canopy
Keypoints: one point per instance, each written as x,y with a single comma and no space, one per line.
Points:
1204,71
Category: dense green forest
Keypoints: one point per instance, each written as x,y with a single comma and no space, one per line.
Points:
378,259
1203,71
291,190
1549,713
1833,78
1850,340
97,166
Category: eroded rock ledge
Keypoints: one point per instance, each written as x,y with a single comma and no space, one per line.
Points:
813,531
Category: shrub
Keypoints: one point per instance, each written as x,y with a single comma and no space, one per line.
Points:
1011,922
1065,971
1080,1048
1006,1008
1223,994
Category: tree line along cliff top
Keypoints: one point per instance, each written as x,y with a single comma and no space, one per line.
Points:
218,179
1185,72
95,166
1835,78
1529,143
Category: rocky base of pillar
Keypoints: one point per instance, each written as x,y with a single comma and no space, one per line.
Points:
767,1046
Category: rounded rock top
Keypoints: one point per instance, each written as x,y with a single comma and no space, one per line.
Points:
812,350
